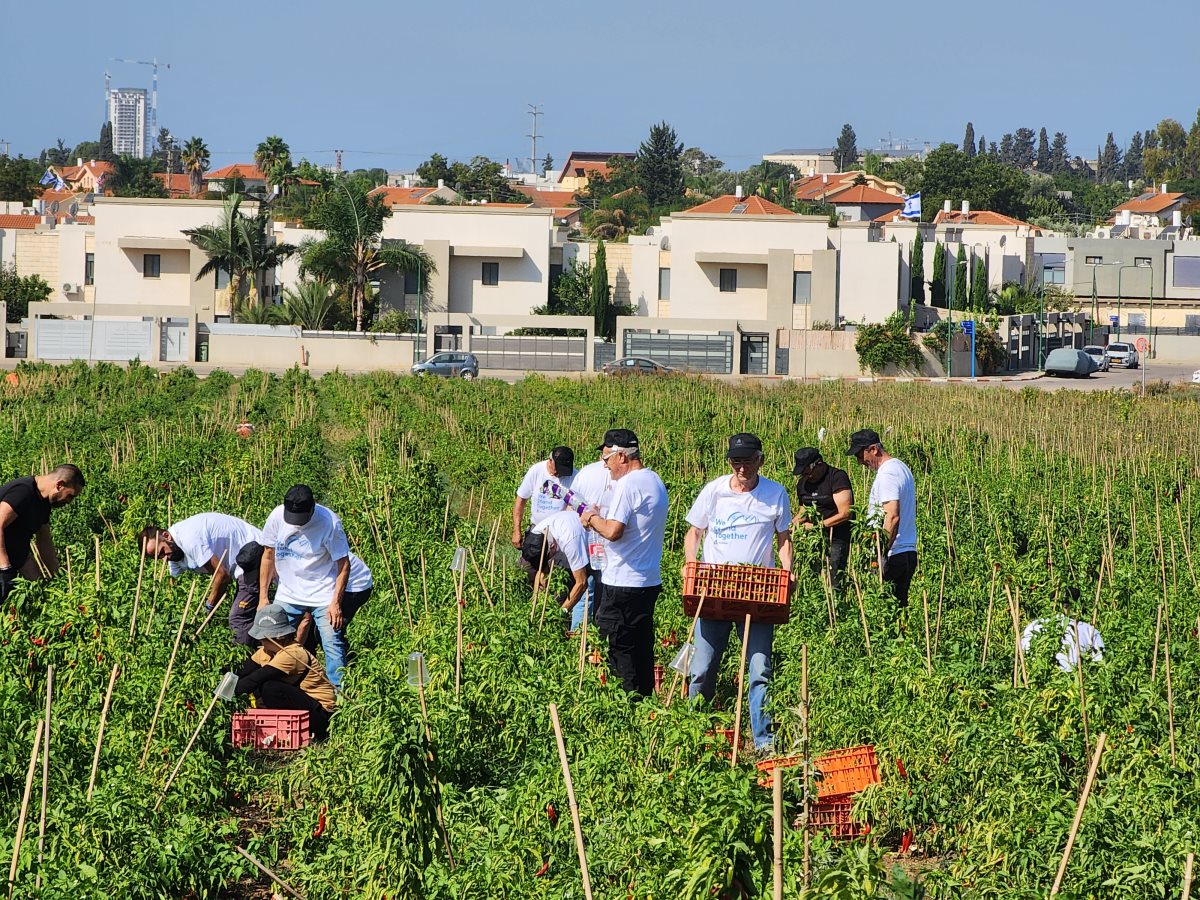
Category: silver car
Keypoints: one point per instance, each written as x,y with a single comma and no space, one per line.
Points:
449,364
1096,352
1122,354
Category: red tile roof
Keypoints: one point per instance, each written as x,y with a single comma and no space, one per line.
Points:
80,220
1150,202
750,206
978,217
244,171
180,185
26,222
547,199
402,196
49,196
860,194
74,173
814,187
570,214
585,163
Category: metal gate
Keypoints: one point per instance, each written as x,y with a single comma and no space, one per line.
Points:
530,354
173,341
754,354
117,340
690,352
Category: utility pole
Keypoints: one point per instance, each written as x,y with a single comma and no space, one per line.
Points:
337,165
534,112
6,145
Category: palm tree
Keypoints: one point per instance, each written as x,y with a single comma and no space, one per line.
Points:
195,163
309,305
352,250
274,158
241,245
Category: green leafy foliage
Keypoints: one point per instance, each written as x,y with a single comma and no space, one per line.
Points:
888,343
17,291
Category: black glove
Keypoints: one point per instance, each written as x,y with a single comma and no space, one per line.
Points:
7,576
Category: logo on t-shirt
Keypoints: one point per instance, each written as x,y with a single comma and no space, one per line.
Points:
731,527
296,546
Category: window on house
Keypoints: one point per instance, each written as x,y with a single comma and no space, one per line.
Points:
1054,268
151,265
1191,322
728,281
222,278
89,268
412,283
1185,271
491,273
1094,260
664,284
1142,262
801,287
1137,320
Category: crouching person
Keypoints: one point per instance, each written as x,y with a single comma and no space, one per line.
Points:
283,675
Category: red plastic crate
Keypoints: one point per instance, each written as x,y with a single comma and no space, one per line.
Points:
271,729
847,771
834,815
732,591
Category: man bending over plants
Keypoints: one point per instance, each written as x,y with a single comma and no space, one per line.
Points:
283,675
25,506
744,519
213,544
559,540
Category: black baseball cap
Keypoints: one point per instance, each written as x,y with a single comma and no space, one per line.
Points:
805,457
298,505
619,437
564,461
743,444
861,440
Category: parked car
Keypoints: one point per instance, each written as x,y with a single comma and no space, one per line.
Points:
1068,362
449,364
635,365
1121,354
1096,352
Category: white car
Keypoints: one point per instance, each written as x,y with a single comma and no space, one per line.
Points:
1122,354
1097,353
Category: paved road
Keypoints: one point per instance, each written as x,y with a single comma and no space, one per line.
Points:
1174,373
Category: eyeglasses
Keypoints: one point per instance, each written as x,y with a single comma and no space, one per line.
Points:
742,462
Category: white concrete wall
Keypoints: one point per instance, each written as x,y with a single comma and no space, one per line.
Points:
286,346
523,281
868,281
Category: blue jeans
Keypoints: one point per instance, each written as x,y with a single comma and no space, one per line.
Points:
333,640
711,640
589,596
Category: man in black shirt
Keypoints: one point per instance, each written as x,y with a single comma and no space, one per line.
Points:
825,491
25,505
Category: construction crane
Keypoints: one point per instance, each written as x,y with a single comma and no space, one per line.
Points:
154,64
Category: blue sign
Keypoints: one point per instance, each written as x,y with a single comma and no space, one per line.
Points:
1114,321
968,327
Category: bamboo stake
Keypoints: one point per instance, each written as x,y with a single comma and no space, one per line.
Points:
1187,876
937,628
804,756
1170,690
137,594
546,595
479,574
112,680
536,582
862,610
166,677
566,769
45,773
387,561
436,785
458,653
1083,797
404,585
446,516
33,757
1087,738
279,881
583,634
96,538
737,720
987,630
424,587
1019,661
1157,638
186,750
777,815
925,610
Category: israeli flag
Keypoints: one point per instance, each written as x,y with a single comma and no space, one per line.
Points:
49,178
59,184
912,207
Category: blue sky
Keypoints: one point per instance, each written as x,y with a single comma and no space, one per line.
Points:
392,82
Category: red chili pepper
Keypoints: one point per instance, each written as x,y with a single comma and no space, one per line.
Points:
543,870
551,814
190,707
320,829
906,841
38,642
603,679
83,609
900,767
65,629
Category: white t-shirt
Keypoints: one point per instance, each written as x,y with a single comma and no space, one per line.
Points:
639,501
594,485
566,531
741,528
894,481
306,556
360,575
203,536
1090,640
541,505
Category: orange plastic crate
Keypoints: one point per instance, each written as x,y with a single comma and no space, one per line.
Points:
834,815
847,771
731,591
271,729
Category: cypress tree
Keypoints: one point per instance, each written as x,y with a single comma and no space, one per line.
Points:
979,288
937,284
968,144
917,270
960,278
600,310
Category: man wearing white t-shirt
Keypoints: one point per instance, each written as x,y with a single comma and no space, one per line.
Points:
893,508
305,545
634,526
558,469
209,543
565,545
741,518
594,486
